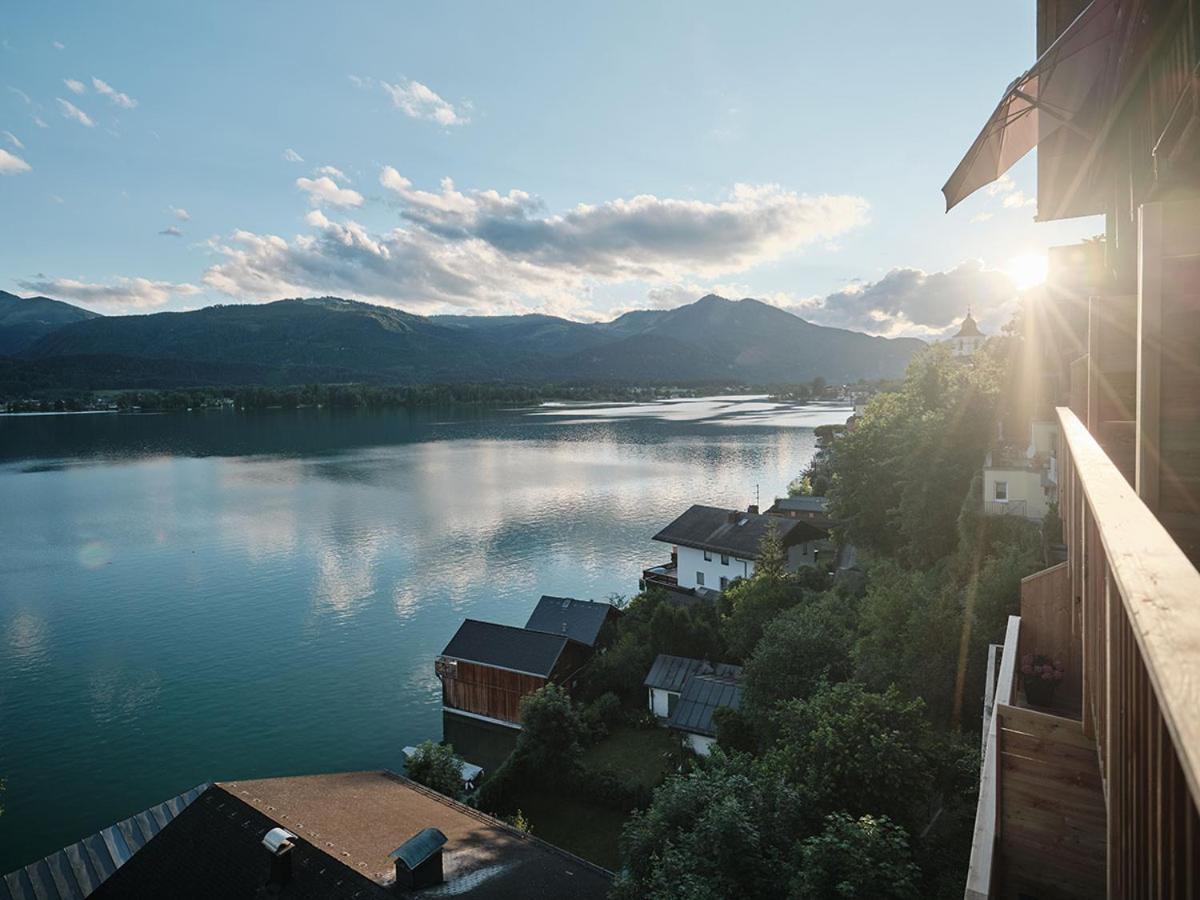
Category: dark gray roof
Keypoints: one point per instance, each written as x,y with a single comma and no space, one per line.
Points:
580,620
669,673
724,530
802,504
419,847
506,647
78,870
702,696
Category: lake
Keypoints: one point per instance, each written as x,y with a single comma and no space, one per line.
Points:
205,596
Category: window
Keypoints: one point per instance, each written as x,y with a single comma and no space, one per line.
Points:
1001,490
707,556
724,559
700,579
724,582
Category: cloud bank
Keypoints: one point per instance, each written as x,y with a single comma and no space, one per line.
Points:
125,293
488,252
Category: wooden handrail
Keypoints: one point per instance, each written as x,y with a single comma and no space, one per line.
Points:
983,846
1158,586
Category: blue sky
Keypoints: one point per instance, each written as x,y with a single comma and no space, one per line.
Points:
621,155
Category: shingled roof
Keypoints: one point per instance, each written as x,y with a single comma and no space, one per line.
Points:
506,647
579,620
345,825
729,531
702,696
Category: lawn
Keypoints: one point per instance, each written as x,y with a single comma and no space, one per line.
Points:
639,754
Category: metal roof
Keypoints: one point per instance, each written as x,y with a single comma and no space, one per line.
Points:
419,847
702,696
802,504
669,673
726,530
579,620
506,647
76,871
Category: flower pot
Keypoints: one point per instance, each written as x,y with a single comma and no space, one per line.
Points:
1039,691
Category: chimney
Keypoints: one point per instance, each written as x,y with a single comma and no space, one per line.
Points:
278,842
732,516
752,509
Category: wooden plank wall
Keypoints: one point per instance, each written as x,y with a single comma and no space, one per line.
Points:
1046,628
485,691
1112,377
1052,815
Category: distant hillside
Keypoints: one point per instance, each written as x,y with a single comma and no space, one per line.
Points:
25,320
329,339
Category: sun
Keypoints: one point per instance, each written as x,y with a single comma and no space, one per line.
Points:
1027,270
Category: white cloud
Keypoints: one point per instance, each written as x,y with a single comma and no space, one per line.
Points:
1017,199
421,102
915,303
171,231
12,165
291,155
179,213
980,217
71,111
40,122
333,172
124,293
58,45
122,100
325,190
14,140
75,87
493,252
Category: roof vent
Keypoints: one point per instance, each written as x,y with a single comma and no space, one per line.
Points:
279,843
419,860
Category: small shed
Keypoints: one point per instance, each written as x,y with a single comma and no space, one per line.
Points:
669,674
419,860
702,696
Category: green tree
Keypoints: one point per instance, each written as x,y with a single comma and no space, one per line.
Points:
724,830
803,647
436,767
857,858
552,735
846,748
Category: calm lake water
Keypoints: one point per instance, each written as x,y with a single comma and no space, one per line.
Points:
207,596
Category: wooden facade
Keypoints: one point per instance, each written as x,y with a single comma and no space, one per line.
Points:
494,692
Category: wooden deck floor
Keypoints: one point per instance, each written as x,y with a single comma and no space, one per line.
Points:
1052,815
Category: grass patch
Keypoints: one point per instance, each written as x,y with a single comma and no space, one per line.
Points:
642,755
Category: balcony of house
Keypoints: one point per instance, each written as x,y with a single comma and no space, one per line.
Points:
1094,790
1005,508
665,576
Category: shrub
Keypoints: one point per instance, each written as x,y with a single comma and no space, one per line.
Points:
602,715
436,767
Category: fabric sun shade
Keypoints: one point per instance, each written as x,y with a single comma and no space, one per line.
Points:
1057,93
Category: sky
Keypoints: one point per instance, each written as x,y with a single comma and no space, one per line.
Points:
484,158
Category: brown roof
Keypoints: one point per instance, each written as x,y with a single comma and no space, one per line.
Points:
361,817
969,328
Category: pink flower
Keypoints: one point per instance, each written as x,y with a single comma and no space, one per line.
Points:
1046,676
1027,669
1027,659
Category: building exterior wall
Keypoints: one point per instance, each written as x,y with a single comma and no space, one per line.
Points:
692,561
1044,438
485,691
1022,485
809,553
965,346
660,702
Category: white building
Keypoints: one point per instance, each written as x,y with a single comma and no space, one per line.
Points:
1023,483
968,339
710,547
684,694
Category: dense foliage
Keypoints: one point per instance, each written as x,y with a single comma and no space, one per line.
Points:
436,767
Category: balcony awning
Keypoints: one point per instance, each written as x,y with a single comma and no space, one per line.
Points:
1058,93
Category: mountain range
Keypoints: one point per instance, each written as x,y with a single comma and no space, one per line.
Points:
47,343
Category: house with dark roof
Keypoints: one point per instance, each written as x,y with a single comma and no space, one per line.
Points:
348,835
684,694
579,620
711,546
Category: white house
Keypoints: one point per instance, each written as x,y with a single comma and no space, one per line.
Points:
713,546
1023,482
685,693
968,339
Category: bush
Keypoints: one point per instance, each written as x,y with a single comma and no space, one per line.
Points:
436,767
864,857
602,715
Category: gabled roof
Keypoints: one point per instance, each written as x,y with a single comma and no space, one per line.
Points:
579,620
670,673
506,647
702,696
346,825
419,847
727,531
802,504
81,868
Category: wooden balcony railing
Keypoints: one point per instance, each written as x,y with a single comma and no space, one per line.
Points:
1136,612
1004,508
